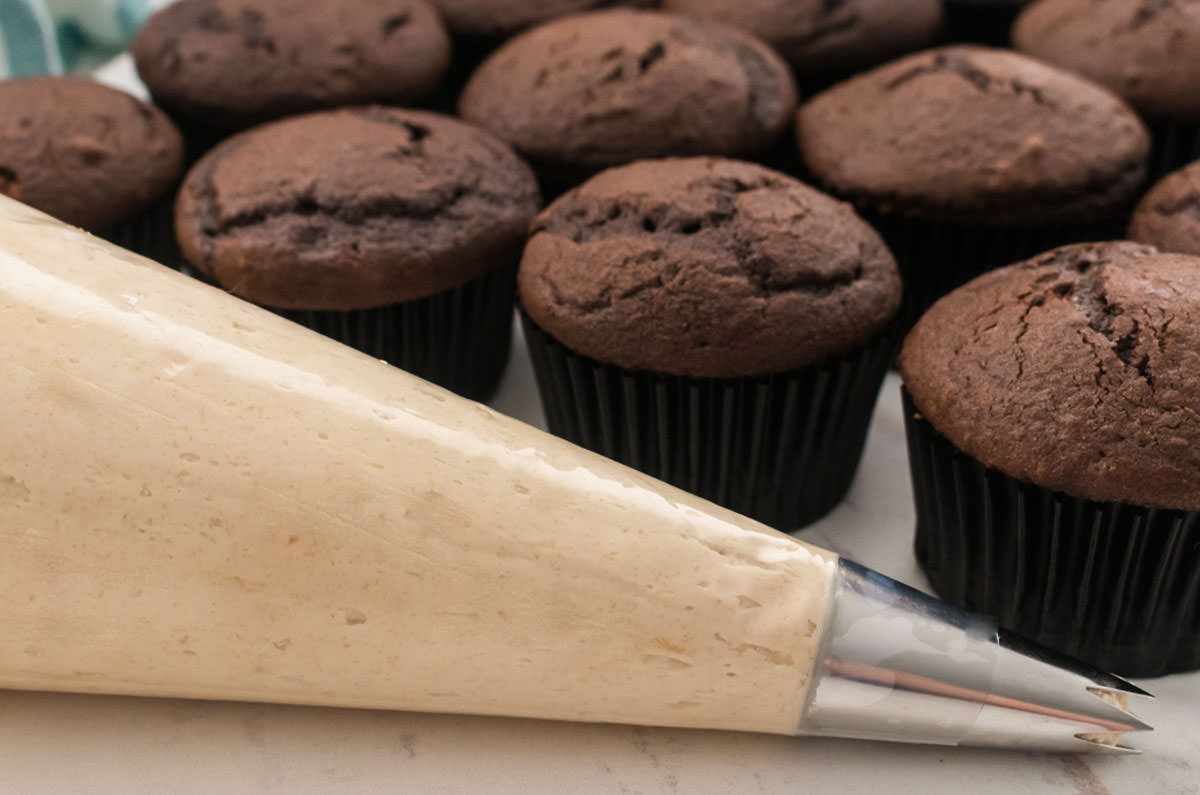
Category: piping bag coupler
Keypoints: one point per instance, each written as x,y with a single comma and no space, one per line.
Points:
899,665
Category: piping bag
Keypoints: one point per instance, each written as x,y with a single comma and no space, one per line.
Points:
199,499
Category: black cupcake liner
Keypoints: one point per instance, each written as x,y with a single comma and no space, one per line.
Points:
198,137
458,338
151,234
467,53
783,155
809,84
1115,585
555,179
980,22
782,449
935,257
1175,145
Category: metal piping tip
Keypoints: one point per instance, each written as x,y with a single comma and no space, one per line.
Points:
1103,746
1049,701
900,665
1100,680
1110,682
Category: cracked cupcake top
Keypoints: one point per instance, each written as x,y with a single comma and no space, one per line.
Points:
600,89
85,153
354,208
824,36
708,268
234,63
1148,51
975,135
1168,217
1077,371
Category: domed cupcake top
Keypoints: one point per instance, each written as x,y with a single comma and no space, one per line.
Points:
493,18
83,152
708,268
354,208
1077,371
1168,217
234,63
1148,52
975,135
600,89
818,36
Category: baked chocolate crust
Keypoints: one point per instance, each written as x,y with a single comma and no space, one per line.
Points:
85,153
708,268
1077,371
1146,51
1168,217
354,208
605,88
976,135
230,64
827,36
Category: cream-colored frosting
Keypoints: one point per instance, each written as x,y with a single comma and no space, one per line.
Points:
200,499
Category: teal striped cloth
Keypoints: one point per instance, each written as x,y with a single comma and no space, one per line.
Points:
56,36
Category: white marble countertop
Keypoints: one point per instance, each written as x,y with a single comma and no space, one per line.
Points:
57,743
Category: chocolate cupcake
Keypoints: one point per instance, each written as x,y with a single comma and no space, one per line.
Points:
590,91
92,156
1054,432
1168,217
981,21
1148,53
480,26
826,41
968,158
498,19
715,324
395,231
223,65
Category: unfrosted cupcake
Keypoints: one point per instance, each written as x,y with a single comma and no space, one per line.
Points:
591,91
92,156
715,324
1147,52
395,231
478,27
225,65
968,158
1168,217
824,41
1053,419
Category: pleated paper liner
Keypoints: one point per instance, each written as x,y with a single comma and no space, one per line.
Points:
1115,585
1175,145
467,53
783,155
936,257
980,22
458,338
198,138
782,449
151,234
